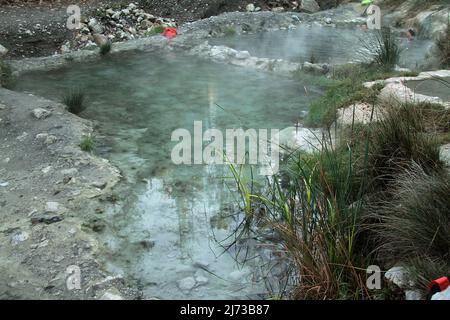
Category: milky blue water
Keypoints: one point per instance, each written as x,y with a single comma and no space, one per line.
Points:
170,220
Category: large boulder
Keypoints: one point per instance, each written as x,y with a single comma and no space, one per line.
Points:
431,23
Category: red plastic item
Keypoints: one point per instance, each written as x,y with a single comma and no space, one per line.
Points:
170,33
443,283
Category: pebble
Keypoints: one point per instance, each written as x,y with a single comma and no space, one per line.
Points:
40,113
186,284
52,206
201,280
19,237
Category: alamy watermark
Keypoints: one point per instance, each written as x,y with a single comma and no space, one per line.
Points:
374,17
236,146
74,20
373,281
73,278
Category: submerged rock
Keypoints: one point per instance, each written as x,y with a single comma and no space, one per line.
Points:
111,294
186,284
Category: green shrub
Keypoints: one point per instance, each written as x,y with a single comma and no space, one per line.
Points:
75,101
87,143
346,89
105,48
414,225
309,208
397,141
6,77
229,31
379,196
384,48
155,30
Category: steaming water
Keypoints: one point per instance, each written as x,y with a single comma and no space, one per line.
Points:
138,100
326,44
432,87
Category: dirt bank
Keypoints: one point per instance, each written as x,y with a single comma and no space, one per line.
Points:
54,192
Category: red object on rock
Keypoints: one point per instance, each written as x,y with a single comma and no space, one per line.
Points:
440,284
170,33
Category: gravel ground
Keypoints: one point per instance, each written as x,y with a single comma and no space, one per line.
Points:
30,28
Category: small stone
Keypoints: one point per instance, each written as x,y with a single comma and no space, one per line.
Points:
186,284
19,237
398,276
22,137
3,50
201,280
250,7
95,26
413,295
111,294
58,259
278,9
40,113
99,184
52,206
46,169
50,139
46,138
69,172
3,184
242,55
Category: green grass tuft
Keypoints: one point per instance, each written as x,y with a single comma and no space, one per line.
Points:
105,48
346,88
87,143
75,101
6,78
229,31
384,48
155,30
